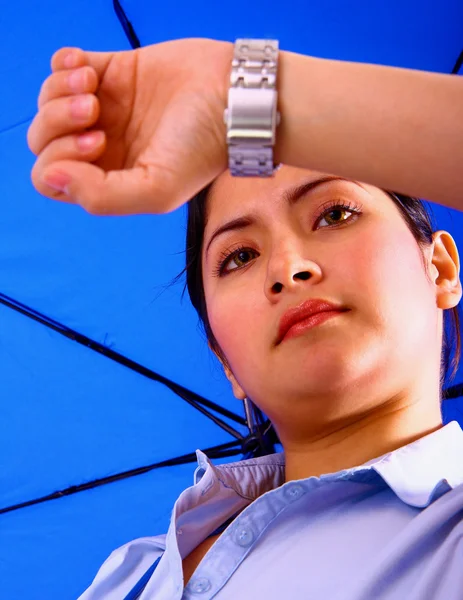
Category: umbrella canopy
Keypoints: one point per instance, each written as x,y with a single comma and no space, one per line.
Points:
103,368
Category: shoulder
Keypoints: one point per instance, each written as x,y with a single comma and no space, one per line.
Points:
124,567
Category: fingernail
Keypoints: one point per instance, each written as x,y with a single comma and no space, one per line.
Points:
58,180
76,80
86,141
70,60
81,107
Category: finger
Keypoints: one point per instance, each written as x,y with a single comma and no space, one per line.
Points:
83,80
68,58
140,190
71,58
62,116
85,147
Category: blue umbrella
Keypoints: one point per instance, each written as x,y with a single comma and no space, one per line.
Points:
107,386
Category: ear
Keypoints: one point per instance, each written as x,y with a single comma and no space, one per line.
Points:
445,270
238,391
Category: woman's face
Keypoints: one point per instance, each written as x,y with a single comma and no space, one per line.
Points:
363,257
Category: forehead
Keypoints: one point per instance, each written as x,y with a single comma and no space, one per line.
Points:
229,195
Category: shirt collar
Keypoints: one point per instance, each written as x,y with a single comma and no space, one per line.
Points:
418,473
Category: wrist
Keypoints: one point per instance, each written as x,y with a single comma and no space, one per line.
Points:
225,52
292,69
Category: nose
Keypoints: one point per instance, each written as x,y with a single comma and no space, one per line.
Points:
289,270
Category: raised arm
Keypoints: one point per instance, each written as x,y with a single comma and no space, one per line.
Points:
394,128
153,133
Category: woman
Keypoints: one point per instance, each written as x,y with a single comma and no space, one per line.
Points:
366,500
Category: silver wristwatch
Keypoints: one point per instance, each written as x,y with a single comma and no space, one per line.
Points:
251,116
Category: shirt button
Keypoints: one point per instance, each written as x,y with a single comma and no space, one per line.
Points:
179,531
201,585
293,492
244,537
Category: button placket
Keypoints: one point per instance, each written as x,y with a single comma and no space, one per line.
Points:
293,492
244,536
200,585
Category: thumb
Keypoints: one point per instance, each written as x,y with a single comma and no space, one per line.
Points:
139,190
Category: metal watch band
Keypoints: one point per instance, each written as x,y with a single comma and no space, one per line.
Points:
251,116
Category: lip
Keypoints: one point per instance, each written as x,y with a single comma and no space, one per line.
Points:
305,310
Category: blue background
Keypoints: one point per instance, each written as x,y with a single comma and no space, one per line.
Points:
69,415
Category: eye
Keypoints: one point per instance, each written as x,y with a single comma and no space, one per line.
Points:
239,254
337,208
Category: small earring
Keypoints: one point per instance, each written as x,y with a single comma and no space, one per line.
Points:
249,415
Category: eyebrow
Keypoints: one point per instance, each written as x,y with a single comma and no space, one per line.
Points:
290,197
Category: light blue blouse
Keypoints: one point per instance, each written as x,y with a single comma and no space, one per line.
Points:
390,529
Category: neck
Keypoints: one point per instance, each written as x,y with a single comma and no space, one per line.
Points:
353,441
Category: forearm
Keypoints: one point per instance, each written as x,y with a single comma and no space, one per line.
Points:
394,128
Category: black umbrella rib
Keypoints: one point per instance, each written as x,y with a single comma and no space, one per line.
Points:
189,396
220,451
452,392
126,25
458,64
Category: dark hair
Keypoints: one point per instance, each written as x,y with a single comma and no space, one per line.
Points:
418,221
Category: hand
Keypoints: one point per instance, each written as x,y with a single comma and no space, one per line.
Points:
156,117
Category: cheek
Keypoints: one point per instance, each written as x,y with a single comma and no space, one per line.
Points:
392,283
236,320
233,316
